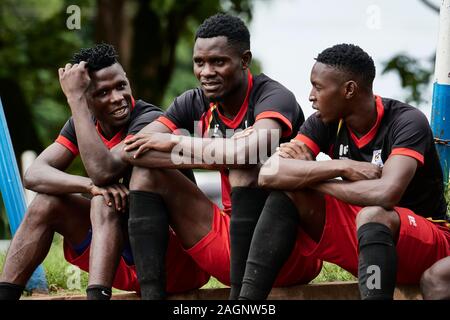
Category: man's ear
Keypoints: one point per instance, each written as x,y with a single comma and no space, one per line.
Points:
350,88
246,59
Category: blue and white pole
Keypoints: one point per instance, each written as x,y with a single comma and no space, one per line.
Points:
13,194
440,113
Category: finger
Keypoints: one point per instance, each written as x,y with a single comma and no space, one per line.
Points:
117,198
288,150
134,145
107,198
67,66
142,149
83,65
124,196
60,72
284,155
306,153
130,140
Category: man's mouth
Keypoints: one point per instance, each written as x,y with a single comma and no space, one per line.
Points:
121,112
210,86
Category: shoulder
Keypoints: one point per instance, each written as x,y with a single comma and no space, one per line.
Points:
143,106
264,85
402,114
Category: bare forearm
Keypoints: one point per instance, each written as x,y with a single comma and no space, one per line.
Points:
291,174
100,164
361,193
53,181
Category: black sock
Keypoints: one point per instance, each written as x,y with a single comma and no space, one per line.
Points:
148,228
98,292
247,204
377,269
272,243
10,291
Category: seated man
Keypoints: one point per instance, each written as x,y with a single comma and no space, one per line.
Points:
435,281
229,98
103,114
373,222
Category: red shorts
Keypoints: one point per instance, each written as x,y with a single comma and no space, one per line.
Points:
212,253
182,272
420,242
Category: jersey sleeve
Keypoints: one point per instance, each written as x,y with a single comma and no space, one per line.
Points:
142,120
181,113
315,134
67,137
277,102
411,135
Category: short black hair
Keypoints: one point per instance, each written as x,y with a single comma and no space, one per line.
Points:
98,57
350,59
228,26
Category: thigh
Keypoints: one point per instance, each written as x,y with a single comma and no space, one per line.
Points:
190,210
312,210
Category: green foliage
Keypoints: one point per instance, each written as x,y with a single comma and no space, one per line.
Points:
414,75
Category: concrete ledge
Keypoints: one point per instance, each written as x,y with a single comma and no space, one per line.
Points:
317,291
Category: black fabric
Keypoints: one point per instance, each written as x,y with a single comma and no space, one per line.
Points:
142,114
247,204
402,128
98,292
377,269
272,243
148,228
10,291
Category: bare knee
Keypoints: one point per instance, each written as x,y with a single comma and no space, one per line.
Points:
146,179
244,177
435,281
379,215
102,214
44,209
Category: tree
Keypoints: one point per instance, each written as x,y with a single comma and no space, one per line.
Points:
414,75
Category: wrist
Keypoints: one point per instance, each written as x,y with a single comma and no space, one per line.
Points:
75,99
342,168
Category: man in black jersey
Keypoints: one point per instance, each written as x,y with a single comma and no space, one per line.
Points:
103,114
373,222
229,98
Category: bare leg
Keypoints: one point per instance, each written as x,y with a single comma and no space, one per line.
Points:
67,215
190,210
107,242
435,282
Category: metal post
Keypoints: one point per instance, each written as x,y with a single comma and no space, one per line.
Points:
440,113
13,195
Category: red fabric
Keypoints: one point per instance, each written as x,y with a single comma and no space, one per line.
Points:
183,274
236,121
364,140
410,153
68,144
212,253
167,122
309,143
420,243
287,130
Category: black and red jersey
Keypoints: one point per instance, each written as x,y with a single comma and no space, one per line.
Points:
142,113
399,129
265,98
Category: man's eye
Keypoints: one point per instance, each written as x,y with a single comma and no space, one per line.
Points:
219,62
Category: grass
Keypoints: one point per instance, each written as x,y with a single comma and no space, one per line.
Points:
61,275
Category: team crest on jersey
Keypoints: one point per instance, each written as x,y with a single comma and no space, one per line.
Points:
376,158
343,151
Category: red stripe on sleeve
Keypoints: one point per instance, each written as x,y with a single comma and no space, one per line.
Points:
276,115
309,143
167,122
410,153
68,144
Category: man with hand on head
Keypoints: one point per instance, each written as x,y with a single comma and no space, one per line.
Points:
94,229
